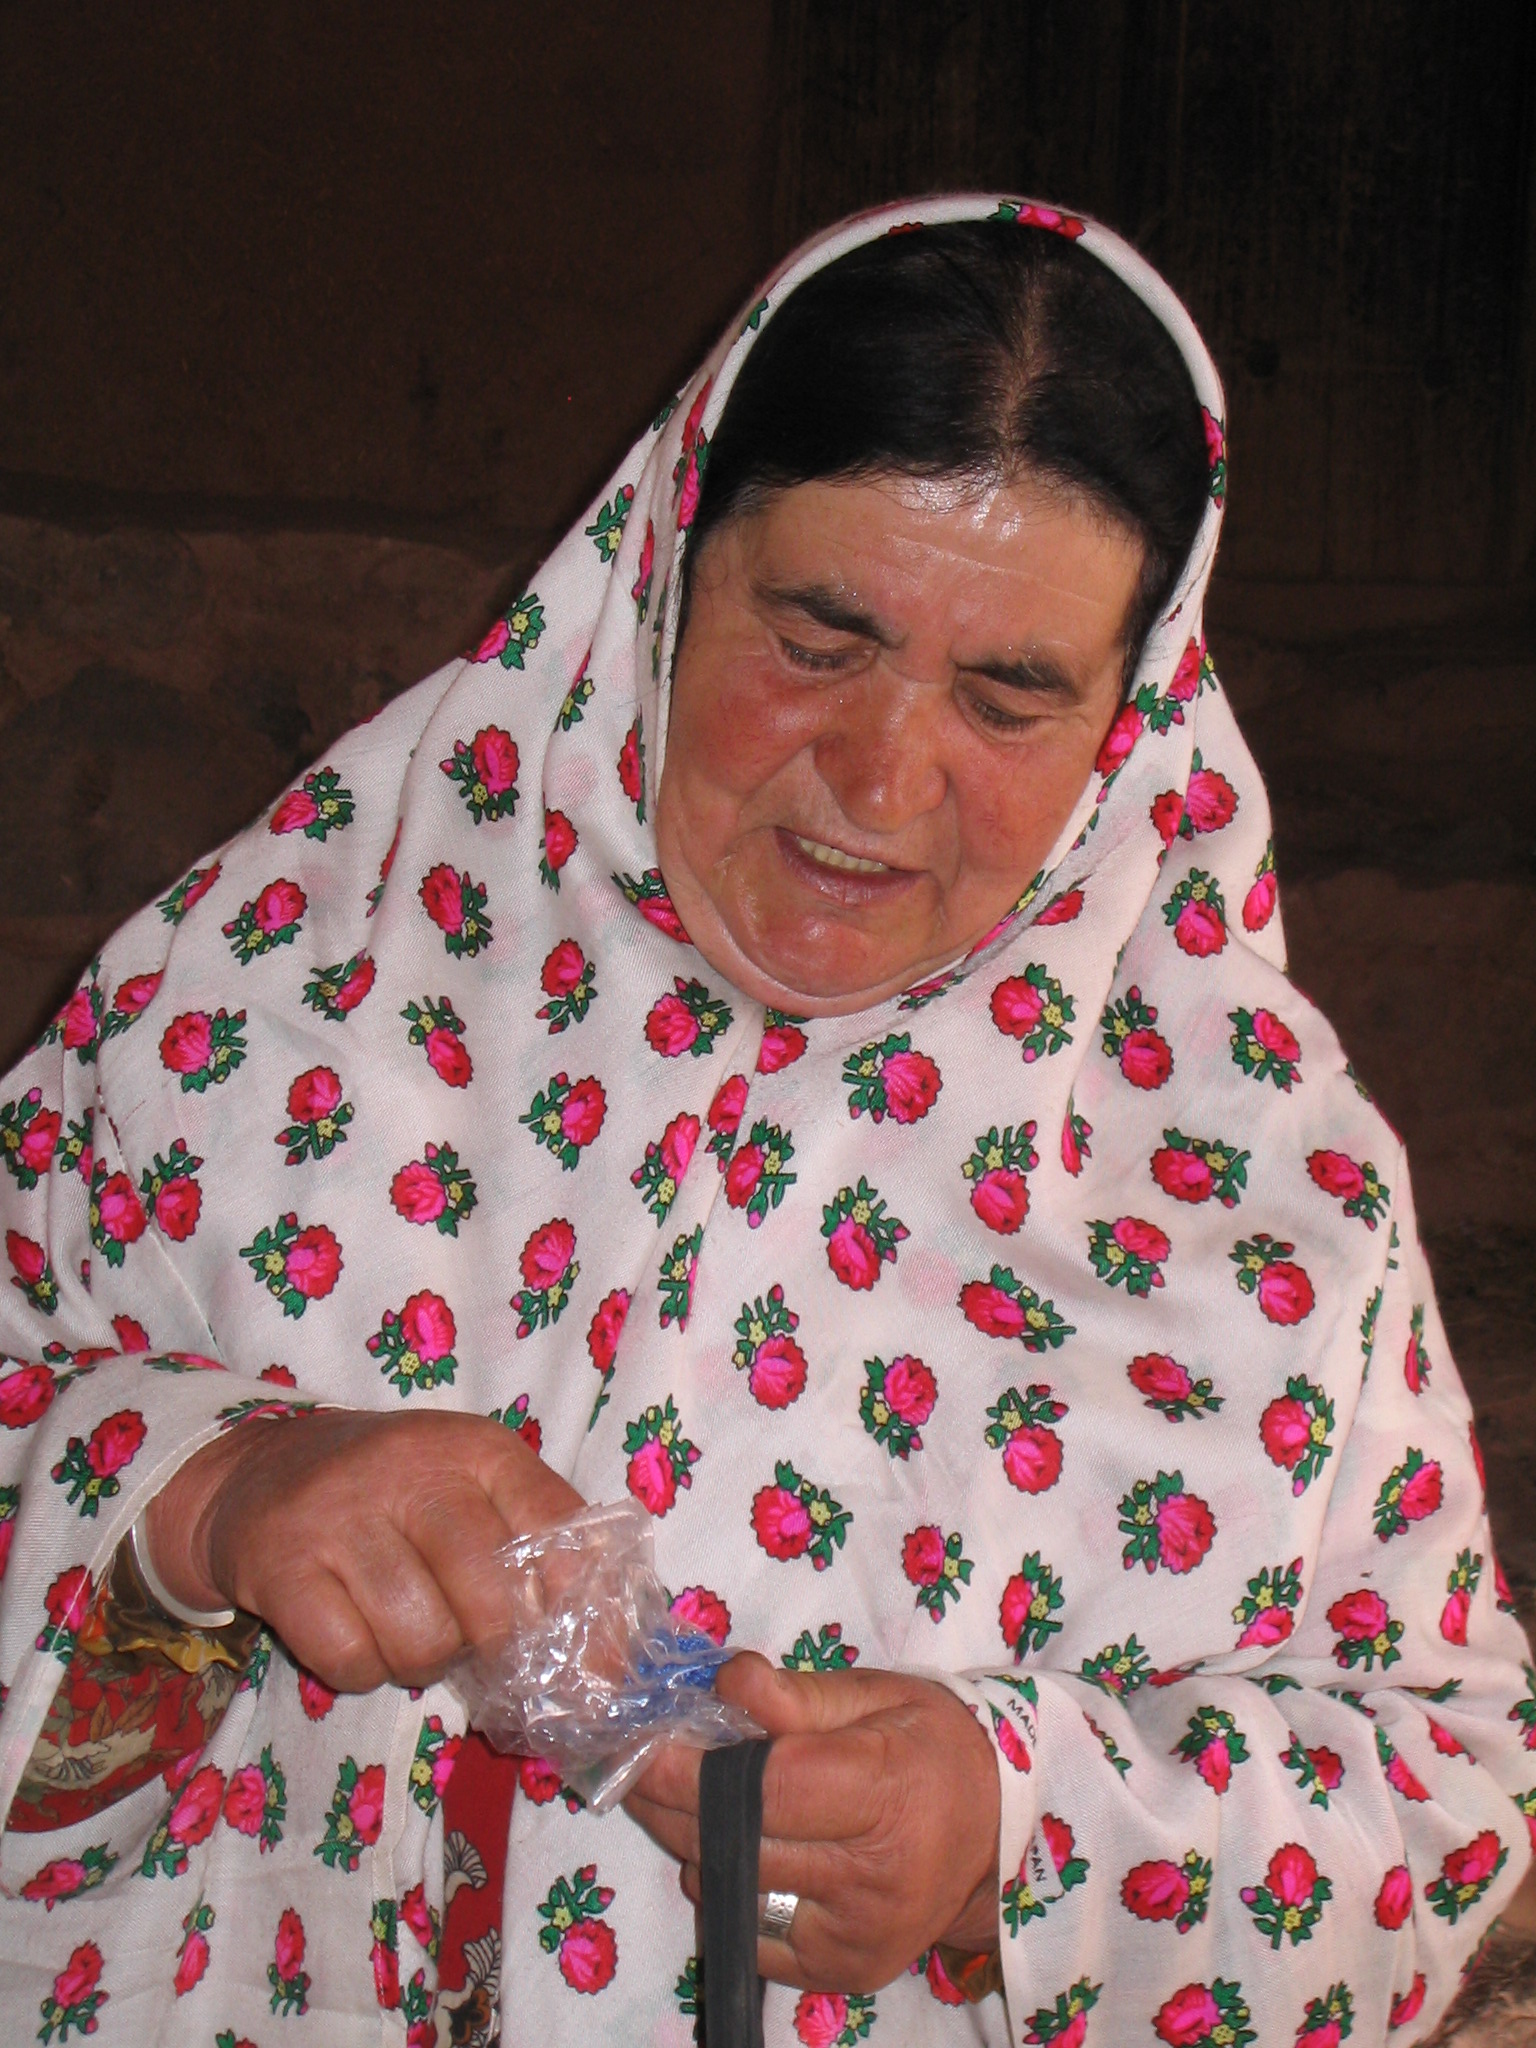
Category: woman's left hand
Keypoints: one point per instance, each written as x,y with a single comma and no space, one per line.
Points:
880,1809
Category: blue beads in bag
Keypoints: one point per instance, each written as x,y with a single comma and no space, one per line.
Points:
594,1672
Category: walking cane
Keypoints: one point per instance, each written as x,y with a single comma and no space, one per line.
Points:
730,1841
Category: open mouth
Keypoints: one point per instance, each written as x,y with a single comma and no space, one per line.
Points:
834,857
834,871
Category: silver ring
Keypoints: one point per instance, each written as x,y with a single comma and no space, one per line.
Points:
776,1914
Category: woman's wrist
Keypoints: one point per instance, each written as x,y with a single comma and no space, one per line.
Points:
975,1929
173,1537
970,1948
158,1594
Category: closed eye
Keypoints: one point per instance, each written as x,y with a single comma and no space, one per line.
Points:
998,719
815,661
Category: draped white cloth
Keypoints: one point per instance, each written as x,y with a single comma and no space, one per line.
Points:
1060,1327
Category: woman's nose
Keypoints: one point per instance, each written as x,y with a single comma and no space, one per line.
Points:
879,755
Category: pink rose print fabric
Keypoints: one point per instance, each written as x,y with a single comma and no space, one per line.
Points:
1059,1328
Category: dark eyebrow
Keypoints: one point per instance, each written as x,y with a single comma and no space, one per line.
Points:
822,604
1036,673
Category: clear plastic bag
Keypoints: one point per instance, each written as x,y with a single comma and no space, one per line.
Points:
595,1672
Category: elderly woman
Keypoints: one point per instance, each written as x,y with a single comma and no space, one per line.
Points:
795,1028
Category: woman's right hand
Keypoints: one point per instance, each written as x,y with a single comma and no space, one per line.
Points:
367,1542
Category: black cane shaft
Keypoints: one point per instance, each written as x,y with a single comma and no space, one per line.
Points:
730,1838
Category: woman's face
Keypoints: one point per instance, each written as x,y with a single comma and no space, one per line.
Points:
887,701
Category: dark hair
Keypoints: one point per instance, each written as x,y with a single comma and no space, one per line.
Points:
974,349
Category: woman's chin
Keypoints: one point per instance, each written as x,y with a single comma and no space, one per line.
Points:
808,959
825,977
806,996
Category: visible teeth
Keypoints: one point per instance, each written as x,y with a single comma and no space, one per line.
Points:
832,857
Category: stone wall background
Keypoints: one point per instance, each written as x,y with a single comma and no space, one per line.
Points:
318,324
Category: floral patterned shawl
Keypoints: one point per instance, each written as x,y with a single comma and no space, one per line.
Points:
1060,1328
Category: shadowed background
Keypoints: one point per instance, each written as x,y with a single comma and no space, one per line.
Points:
318,324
